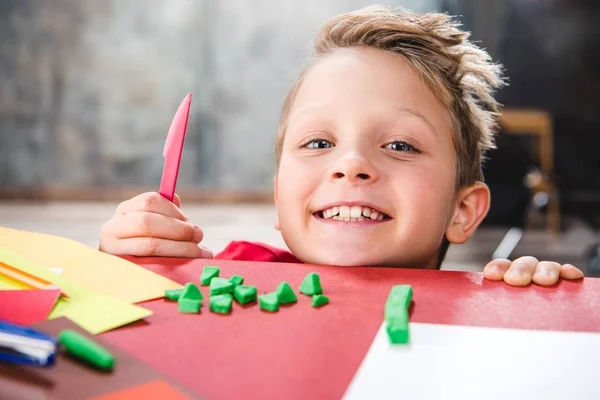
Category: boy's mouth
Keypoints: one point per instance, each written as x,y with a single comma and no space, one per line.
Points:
352,213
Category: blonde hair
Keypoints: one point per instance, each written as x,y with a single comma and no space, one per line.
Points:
461,74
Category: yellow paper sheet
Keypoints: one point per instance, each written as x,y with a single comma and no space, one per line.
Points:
88,267
91,310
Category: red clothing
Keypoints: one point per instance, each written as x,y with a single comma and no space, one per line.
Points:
254,251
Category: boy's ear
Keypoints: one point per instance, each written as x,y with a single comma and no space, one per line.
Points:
471,206
275,196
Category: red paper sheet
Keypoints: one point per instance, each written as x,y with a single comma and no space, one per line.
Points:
305,353
26,307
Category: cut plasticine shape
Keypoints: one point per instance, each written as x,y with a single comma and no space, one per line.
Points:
189,306
236,280
191,292
396,314
220,286
285,294
397,329
208,273
269,302
221,303
311,285
173,294
245,294
319,300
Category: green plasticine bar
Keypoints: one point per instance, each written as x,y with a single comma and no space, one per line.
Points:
397,329
396,314
398,300
86,349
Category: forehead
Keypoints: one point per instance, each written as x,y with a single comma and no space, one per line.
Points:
367,79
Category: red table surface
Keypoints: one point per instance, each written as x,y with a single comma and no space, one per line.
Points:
302,352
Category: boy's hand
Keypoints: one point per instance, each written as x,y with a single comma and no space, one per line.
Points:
150,225
523,270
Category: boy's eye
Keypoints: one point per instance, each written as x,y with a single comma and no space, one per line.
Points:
318,144
400,146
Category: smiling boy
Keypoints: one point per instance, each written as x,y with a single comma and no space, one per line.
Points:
379,156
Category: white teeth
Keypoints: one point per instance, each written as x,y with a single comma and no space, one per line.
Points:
352,214
344,211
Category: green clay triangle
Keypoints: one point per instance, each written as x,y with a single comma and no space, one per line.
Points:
236,280
311,285
285,294
221,303
245,294
220,286
208,273
319,300
191,292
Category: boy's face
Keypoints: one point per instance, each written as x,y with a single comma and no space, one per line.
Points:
368,167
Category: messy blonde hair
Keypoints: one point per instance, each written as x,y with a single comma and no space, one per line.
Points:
459,73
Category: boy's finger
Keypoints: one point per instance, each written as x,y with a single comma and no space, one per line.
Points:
147,224
177,200
157,247
151,202
521,271
496,269
546,273
568,271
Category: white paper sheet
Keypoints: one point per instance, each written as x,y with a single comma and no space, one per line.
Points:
459,362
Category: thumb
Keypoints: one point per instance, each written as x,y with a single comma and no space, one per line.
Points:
177,200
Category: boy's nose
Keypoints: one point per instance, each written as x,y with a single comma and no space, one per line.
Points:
355,169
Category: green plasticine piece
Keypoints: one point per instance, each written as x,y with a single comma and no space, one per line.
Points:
220,286
221,303
285,294
86,349
245,294
189,306
398,300
269,302
173,294
311,285
208,273
191,292
397,329
236,280
319,300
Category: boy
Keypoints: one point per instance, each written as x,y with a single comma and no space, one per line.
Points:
379,152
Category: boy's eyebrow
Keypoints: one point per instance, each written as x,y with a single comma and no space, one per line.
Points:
415,113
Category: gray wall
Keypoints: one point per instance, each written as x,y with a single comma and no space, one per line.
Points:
88,88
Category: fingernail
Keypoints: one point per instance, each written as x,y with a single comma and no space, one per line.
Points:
197,234
205,252
494,268
516,272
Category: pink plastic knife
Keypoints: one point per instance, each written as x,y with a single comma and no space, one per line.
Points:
174,148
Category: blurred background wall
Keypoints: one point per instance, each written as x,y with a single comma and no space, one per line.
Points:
88,88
